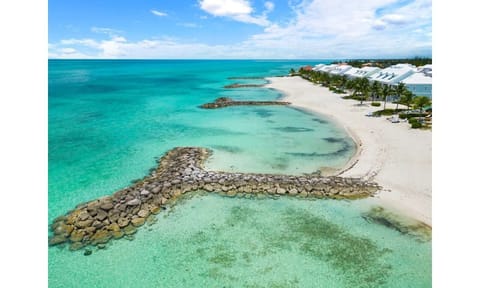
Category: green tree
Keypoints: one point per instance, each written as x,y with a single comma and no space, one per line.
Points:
407,98
343,81
364,87
354,85
376,90
385,92
292,71
421,102
399,91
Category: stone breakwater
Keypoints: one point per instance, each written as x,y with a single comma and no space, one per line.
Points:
226,102
180,171
238,85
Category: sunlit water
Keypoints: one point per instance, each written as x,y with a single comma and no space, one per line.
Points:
109,120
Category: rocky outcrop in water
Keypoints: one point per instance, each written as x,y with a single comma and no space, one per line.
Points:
245,77
238,85
180,171
225,102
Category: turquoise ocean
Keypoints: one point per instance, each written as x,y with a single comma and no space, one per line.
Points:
109,120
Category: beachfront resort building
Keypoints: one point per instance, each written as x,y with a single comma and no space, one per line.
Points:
361,72
416,79
420,82
341,69
393,74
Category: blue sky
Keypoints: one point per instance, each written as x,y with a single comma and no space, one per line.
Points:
210,29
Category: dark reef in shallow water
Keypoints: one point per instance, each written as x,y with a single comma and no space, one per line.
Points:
416,229
291,129
346,146
263,113
320,121
231,149
333,139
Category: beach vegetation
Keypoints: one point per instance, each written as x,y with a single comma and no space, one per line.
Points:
364,87
376,104
415,123
387,112
400,90
376,90
421,102
407,98
385,92
383,63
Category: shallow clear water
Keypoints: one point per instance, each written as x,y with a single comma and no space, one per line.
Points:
215,241
109,120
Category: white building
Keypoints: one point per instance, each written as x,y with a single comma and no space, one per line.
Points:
420,83
393,74
361,72
340,69
318,67
327,68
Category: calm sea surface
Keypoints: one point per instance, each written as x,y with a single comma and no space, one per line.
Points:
110,120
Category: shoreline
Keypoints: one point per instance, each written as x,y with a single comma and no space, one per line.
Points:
392,154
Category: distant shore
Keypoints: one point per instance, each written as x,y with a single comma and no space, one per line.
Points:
392,154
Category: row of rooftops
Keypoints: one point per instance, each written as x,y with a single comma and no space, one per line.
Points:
392,75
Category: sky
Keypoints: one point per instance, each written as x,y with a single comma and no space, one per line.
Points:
239,29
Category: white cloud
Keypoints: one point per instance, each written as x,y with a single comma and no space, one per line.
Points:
68,50
331,28
395,19
269,6
108,31
83,42
319,29
158,13
239,10
226,7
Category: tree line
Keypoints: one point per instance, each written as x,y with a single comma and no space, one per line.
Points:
384,63
363,90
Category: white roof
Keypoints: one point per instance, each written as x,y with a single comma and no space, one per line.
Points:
318,67
417,78
370,68
352,71
340,69
428,66
393,74
328,68
361,72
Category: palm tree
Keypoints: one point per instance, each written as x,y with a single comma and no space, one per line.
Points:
399,91
385,92
407,98
292,71
376,90
356,86
364,87
343,81
422,101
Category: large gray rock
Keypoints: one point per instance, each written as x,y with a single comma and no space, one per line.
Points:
134,202
101,215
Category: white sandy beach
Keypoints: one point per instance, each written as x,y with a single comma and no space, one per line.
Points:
392,154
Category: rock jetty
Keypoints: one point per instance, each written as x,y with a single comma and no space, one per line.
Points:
245,77
180,171
226,102
238,85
